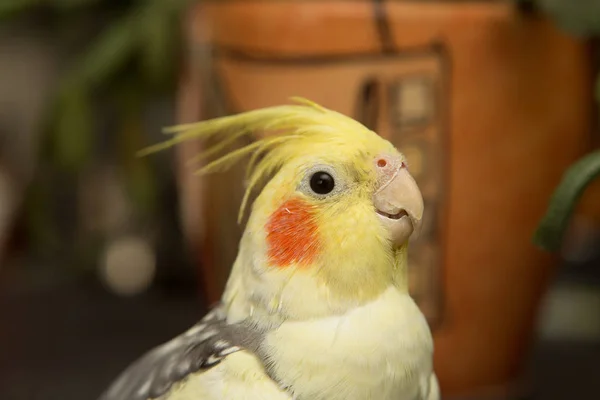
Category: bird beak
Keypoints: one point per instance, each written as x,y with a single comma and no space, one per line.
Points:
398,200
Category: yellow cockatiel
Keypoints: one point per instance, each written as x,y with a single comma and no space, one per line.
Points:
317,304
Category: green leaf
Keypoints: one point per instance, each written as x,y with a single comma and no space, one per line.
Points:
73,129
68,4
158,41
108,53
137,173
551,229
142,187
578,17
11,8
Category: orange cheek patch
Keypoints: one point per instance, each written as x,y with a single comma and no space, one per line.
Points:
292,235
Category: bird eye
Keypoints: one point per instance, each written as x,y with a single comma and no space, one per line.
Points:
322,182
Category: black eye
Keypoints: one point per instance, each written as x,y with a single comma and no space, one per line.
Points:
322,183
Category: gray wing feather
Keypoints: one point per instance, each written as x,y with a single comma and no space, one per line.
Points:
202,347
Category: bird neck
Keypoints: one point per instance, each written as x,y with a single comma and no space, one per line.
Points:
400,269
258,292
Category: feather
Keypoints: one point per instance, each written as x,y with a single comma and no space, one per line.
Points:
293,130
204,346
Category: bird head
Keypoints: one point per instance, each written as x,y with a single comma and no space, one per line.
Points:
335,209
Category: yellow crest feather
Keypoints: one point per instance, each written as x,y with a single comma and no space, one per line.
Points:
291,124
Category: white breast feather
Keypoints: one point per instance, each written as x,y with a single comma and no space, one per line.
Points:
378,351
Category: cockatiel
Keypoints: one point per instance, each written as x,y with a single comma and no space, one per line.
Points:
317,304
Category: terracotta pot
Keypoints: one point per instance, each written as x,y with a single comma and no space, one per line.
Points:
490,107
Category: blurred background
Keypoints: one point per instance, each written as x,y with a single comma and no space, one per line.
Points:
104,255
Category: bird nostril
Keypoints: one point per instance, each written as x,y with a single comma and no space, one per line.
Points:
381,163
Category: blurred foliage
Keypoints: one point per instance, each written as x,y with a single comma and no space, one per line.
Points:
126,53
145,34
556,221
580,18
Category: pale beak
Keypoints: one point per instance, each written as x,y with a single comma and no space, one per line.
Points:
398,200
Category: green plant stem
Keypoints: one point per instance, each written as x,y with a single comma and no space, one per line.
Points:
137,173
552,228
12,8
107,54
